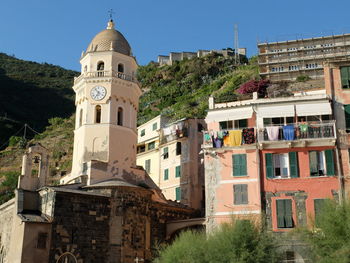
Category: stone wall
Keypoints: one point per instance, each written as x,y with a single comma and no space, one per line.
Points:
80,227
6,218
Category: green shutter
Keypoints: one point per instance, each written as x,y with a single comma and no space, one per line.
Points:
288,215
244,193
293,164
269,165
280,213
329,162
166,174
178,193
318,205
178,171
237,194
345,76
347,115
239,163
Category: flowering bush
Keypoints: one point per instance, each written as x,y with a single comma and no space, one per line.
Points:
254,86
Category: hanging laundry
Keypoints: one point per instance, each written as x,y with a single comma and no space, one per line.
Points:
235,138
226,139
218,143
167,131
248,136
220,135
272,133
288,132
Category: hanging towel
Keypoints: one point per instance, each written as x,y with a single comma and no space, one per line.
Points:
220,135
235,138
303,127
272,133
288,132
227,140
248,135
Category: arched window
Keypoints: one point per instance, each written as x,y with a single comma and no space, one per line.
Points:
80,117
98,114
100,68
120,116
85,68
121,68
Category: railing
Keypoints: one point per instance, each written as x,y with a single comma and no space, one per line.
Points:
177,134
291,132
105,73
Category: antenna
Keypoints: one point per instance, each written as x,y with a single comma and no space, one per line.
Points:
236,45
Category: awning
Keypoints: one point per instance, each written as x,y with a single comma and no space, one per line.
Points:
276,111
321,108
229,114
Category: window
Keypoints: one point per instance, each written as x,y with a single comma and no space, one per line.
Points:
143,132
178,171
121,68
154,126
178,193
282,165
120,116
239,164
85,68
148,165
284,213
239,124
240,194
100,66
141,148
226,125
347,117
321,163
165,153
166,174
41,242
178,148
278,120
151,145
80,117
98,114
318,206
345,77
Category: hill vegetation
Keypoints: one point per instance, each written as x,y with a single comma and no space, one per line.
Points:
32,93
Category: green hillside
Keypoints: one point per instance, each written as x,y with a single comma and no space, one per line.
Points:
32,93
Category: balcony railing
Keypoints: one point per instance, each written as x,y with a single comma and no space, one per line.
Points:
291,132
105,73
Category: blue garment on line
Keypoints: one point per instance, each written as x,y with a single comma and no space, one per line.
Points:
288,132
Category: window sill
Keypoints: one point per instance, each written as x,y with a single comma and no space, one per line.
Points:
240,176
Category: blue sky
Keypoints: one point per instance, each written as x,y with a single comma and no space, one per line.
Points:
56,31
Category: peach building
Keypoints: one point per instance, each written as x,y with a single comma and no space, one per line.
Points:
337,84
272,155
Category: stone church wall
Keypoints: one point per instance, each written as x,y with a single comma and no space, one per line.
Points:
6,218
80,227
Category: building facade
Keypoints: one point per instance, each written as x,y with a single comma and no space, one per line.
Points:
287,60
171,155
272,155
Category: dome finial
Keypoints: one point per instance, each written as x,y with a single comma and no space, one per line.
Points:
110,24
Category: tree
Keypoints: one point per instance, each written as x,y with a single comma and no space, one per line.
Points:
8,186
330,235
238,242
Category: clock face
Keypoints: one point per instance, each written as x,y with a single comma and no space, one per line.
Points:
98,93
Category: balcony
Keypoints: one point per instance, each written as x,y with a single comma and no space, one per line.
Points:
104,74
292,132
296,132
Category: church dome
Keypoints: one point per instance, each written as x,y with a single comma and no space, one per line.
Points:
110,39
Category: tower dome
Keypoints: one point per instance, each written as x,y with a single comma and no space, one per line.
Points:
110,39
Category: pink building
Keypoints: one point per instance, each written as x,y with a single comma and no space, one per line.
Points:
275,156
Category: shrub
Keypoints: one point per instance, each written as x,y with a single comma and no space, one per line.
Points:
303,78
14,140
8,186
330,237
238,242
251,86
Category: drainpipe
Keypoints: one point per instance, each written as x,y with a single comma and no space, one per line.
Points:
337,149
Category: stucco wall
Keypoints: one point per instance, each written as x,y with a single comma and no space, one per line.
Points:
6,218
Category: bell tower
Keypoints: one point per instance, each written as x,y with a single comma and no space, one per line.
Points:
107,97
